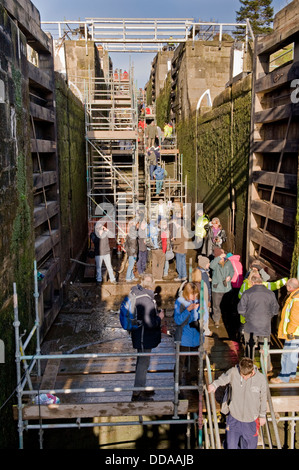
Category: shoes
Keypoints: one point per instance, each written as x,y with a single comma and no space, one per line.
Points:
99,283
277,380
177,279
113,282
216,324
208,334
184,279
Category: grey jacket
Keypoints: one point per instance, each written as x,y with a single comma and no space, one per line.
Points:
258,305
248,397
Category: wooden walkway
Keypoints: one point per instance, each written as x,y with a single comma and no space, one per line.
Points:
97,382
102,386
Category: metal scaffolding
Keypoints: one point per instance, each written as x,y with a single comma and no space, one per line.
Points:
25,389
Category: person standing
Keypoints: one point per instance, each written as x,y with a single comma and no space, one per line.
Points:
104,254
179,242
289,331
131,247
215,237
159,175
158,255
142,249
222,274
186,313
151,134
258,305
248,404
148,335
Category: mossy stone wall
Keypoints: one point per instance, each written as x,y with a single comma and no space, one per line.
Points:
16,212
72,173
222,142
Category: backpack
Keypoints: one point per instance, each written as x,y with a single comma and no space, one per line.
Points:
128,312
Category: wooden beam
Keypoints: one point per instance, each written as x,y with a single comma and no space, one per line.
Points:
284,180
41,113
283,215
275,146
41,213
112,135
153,408
46,178
277,113
284,404
50,373
277,78
43,146
43,244
271,243
279,38
40,77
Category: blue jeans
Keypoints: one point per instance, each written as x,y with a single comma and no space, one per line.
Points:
159,184
130,274
152,169
166,268
107,261
289,361
142,260
181,268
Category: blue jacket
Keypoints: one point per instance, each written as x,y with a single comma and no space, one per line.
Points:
190,336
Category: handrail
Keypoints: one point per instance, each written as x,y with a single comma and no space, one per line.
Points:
264,353
213,403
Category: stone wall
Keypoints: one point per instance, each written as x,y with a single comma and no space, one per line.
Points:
16,207
196,67
223,141
72,170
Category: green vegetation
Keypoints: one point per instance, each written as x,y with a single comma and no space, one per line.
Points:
260,14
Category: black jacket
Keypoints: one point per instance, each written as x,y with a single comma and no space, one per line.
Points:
258,305
148,335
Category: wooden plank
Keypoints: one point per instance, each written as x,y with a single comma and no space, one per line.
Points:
43,244
277,113
271,243
284,180
50,373
45,178
287,403
112,135
283,215
41,213
69,411
43,146
276,146
41,113
40,78
277,78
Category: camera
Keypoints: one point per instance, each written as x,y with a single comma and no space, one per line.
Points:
194,324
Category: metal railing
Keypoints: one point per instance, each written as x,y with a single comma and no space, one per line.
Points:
24,381
265,353
143,34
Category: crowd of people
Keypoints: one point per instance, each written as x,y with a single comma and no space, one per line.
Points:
226,293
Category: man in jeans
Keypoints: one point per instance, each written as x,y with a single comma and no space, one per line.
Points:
179,247
289,331
103,235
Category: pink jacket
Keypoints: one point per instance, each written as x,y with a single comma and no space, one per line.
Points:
237,279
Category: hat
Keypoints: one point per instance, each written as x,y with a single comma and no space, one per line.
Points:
218,251
202,261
